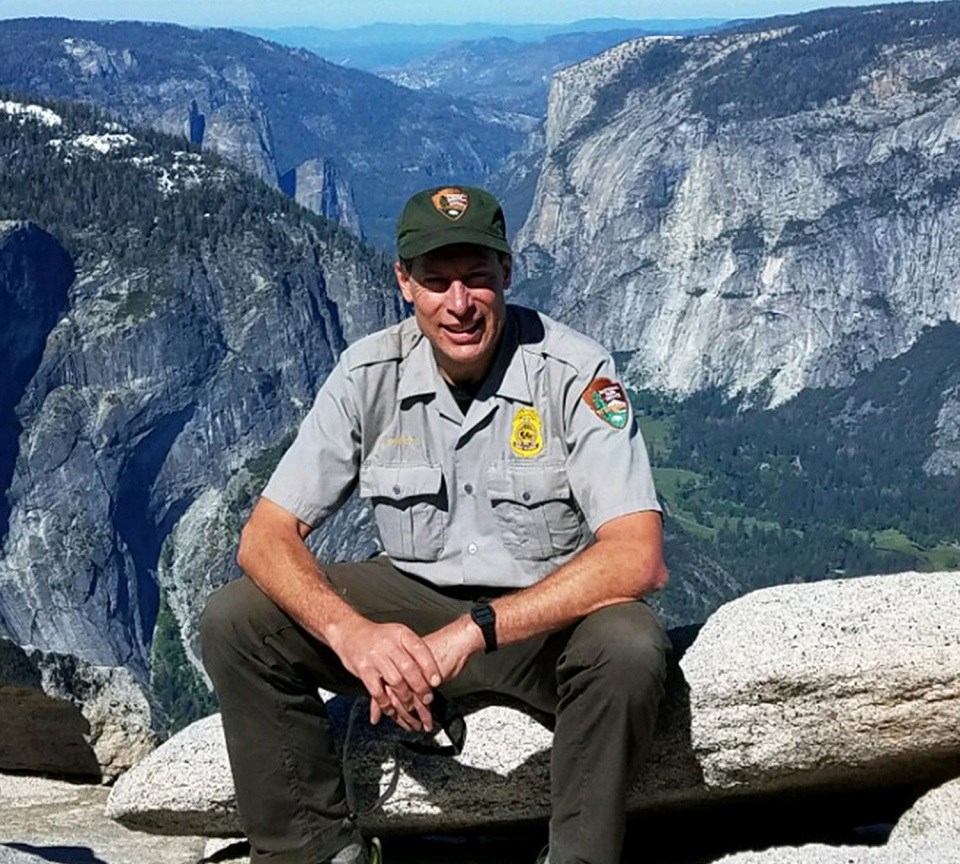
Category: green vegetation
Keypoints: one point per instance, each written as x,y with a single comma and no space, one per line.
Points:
261,466
178,695
111,206
820,57
829,483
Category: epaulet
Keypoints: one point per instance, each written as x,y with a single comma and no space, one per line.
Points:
558,341
389,345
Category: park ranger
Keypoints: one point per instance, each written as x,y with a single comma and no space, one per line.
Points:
514,501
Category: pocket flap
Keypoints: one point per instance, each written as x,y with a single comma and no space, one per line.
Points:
527,484
400,481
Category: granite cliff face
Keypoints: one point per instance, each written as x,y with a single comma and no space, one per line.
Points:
35,273
168,366
770,208
276,112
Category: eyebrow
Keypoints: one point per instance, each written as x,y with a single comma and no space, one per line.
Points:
473,270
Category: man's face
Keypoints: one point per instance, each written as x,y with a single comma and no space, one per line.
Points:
457,296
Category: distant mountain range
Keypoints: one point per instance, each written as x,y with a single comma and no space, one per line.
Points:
380,46
345,143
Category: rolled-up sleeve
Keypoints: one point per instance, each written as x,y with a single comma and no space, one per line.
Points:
319,470
607,466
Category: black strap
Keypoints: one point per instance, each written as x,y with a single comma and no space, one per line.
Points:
353,813
446,716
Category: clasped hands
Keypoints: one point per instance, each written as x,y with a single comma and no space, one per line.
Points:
400,669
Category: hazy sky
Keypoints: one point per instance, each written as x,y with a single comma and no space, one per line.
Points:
346,13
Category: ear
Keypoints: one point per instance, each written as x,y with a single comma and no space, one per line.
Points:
507,271
404,281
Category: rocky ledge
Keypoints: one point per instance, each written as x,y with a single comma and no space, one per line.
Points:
63,716
832,687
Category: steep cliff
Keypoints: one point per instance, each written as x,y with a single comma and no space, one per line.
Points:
763,210
35,273
267,108
204,313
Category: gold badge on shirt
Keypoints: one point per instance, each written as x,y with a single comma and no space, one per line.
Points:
527,437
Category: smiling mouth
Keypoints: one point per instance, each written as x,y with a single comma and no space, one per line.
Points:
464,334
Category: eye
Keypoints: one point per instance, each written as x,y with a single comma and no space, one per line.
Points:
477,279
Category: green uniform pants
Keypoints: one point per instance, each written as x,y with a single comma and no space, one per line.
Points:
602,679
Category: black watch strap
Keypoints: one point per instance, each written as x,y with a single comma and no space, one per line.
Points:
486,619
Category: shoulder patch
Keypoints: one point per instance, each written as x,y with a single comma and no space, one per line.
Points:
608,401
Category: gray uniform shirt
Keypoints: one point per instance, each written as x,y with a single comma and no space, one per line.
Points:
547,453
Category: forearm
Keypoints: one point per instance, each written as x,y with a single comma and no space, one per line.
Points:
392,662
287,572
624,564
607,573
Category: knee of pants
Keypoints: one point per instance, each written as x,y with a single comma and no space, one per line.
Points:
232,622
622,649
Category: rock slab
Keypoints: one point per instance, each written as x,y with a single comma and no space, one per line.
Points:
64,716
928,833
500,778
53,820
838,682
799,687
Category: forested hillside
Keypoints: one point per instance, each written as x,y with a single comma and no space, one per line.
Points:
839,481
202,311
343,142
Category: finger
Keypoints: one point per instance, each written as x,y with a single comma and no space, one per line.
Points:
396,682
378,696
423,657
404,715
423,714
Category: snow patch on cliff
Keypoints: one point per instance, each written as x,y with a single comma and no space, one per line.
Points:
31,112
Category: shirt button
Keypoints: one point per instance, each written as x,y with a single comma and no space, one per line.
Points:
396,490
525,496
472,548
468,488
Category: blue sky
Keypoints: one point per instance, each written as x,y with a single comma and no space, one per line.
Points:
347,13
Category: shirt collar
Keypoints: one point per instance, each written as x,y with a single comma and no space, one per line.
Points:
419,375
509,371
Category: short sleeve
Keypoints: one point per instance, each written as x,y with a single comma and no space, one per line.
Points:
608,467
319,470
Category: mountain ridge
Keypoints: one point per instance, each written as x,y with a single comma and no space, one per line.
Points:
285,115
202,313
747,250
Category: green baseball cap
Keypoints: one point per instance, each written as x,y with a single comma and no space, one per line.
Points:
444,215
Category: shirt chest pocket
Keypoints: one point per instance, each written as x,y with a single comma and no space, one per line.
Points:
410,506
535,511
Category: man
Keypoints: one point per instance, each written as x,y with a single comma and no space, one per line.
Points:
515,504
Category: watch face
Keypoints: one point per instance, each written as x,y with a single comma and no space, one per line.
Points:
483,614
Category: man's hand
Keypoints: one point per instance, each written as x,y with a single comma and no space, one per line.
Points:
395,665
453,645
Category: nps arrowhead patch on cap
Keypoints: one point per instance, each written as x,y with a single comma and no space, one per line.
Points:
446,215
608,401
451,202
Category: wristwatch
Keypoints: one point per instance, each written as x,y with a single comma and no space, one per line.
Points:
486,619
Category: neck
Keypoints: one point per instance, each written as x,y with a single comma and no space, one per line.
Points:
468,379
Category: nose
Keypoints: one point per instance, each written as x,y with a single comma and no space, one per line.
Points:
459,296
